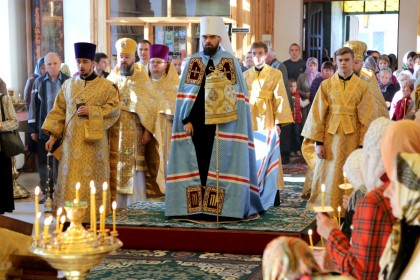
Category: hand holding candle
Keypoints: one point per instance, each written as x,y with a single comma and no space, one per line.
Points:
310,238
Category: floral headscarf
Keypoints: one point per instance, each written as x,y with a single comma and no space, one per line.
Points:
288,258
311,75
407,184
372,165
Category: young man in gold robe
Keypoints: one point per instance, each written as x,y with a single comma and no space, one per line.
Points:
85,108
336,125
268,99
165,80
359,49
135,127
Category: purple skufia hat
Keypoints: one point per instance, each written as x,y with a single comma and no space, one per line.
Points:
160,51
85,50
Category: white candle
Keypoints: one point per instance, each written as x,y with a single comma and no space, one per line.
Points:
77,191
323,195
114,216
310,238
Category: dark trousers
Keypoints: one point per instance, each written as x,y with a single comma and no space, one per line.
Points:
285,141
296,139
43,169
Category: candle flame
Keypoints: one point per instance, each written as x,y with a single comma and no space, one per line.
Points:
38,215
105,186
114,205
101,209
92,184
78,186
75,201
92,189
59,211
323,188
48,221
310,232
63,219
339,209
344,174
37,190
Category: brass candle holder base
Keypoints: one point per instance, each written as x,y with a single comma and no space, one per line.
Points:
77,250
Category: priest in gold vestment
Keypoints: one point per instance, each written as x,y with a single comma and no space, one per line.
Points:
134,129
336,125
268,99
165,80
85,108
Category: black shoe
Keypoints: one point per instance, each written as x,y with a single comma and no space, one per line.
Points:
41,201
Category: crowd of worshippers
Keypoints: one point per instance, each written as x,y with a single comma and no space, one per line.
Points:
185,130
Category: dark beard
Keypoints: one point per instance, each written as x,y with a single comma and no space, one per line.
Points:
210,51
127,70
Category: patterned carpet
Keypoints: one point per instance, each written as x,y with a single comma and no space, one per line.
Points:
296,167
154,264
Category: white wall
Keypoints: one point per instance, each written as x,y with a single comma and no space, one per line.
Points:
288,15
13,46
77,26
407,29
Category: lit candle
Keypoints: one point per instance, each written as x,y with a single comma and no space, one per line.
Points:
76,201
37,217
310,238
62,221
77,191
323,195
93,207
37,213
114,216
345,179
339,215
101,219
57,221
47,223
104,199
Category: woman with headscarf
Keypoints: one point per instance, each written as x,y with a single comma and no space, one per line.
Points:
288,258
408,62
372,221
38,72
9,123
404,195
371,63
304,82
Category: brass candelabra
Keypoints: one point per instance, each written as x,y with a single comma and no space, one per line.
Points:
77,250
18,190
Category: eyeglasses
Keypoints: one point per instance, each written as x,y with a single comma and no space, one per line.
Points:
156,62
